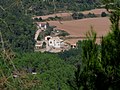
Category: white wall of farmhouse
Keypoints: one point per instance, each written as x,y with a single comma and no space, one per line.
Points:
55,42
44,26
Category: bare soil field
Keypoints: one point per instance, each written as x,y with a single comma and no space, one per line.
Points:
78,28
95,11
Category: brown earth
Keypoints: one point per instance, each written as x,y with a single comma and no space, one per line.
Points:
95,11
78,28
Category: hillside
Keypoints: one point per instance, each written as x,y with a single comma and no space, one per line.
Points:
68,15
46,7
80,27
53,60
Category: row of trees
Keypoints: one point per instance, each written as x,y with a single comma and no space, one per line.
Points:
89,15
75,15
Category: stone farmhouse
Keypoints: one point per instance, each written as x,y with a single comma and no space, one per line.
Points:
54,42
49,43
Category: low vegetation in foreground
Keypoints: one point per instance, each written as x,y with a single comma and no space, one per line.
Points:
88,67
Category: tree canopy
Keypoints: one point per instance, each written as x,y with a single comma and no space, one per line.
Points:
16,27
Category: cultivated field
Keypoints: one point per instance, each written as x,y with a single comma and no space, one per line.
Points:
95,11
80,27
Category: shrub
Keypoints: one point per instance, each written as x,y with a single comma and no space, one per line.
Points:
51,18
90,15
103,14
44,45
63,33
78,15
38,19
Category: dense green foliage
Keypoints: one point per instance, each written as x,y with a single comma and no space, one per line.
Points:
50,69
16,27
103,14
78,16
100,65
43,7
52,72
